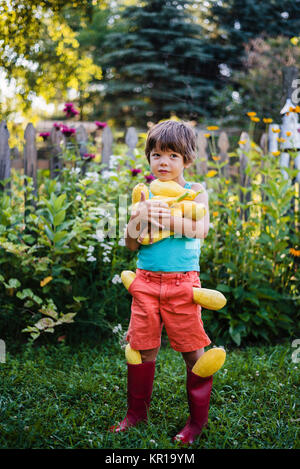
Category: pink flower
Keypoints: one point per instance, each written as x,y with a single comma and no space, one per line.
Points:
67,131
70,110
88,156
57,126
44,135
101,125
134,171
149,177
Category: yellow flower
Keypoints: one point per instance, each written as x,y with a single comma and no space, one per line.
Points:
267,120
207,135
288,133
276,153
45,281
211,173
216,158
227,181
215,214
280,139
276,131
241,142
251,114
212,127
294,40
255,119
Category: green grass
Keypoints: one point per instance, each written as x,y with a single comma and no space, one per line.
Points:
61,397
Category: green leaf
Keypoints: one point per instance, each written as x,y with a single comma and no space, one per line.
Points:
59,218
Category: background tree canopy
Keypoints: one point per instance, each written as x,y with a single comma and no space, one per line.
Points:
137,61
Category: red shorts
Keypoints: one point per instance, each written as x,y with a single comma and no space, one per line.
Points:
165,300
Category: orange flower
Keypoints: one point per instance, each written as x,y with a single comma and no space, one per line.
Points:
216,158
227,181
276,131
207,135
295,252
212,127
215,214
255,119
288,133
297,109
280,139
45,281
267,120
251,114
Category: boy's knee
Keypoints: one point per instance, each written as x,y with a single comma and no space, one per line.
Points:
149,355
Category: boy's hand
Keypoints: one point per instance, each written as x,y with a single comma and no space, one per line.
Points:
151,213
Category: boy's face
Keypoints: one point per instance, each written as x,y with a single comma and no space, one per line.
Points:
167,164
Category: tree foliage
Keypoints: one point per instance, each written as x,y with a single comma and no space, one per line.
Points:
155,63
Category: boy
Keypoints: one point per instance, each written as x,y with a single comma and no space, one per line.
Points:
166,273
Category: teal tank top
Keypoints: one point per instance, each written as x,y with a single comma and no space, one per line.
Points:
170,254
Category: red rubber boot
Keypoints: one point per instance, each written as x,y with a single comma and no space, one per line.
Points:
139,390
198,392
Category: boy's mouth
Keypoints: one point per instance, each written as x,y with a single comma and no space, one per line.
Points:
163,171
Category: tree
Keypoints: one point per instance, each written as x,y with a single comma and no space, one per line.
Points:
260,81
40,52
154,64
236,22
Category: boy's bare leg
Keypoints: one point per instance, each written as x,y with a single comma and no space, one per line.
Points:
190,358
149,355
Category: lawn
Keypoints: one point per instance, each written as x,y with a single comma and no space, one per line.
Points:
63,397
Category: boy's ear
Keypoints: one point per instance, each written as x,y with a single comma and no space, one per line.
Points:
188,164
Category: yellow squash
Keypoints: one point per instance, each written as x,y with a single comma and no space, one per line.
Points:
210,362
136,192
133,357
209,299
170,189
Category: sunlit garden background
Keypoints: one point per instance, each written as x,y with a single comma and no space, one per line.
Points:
81,84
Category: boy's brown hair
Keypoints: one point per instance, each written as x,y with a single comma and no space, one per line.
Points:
172,135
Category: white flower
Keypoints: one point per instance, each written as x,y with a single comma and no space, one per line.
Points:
117,328
75,171
99,236
91,259
82,247
116,279
106,259
78,197
93,175
91,249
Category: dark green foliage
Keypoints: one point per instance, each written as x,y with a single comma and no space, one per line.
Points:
156,65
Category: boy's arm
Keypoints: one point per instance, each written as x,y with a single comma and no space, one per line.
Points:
192,228
132,233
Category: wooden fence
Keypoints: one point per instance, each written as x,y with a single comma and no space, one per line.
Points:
32,161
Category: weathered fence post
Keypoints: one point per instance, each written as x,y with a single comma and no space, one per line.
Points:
82,139
223,144
107,141
4,157
131,139
30,171
55,164
201,162
245,194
